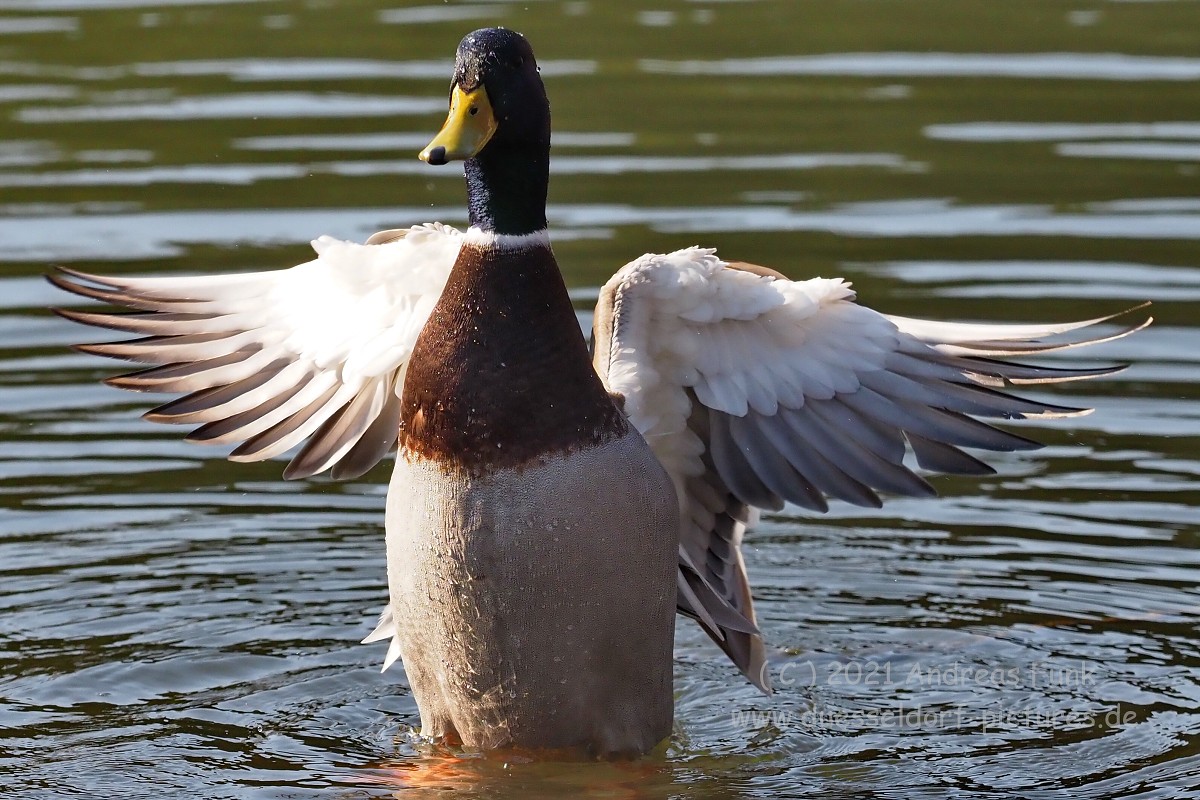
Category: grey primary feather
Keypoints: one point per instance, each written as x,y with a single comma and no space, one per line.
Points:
288,431
902,417
769,464
984,401
190,377
209,405
853,442
147,322
954,428
712,577
1024,374
378,439
230,426
168,349
720,617
957,396
339,431
871,433
735,470
800,439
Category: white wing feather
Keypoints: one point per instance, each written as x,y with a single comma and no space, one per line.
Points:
755,390
271,359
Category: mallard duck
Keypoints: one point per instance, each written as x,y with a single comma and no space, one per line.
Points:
551,510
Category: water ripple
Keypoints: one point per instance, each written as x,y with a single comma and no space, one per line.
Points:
18,26
409,141
1049,278
1158,151
559,165
424,15
55,237
1059,66
172,624
312,69
95,5
284,105
1057,131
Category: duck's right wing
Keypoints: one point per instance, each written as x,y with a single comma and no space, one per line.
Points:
271,359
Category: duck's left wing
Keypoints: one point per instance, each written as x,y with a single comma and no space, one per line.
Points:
271,359
754,390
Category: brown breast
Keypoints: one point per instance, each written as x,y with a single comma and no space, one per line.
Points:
500,376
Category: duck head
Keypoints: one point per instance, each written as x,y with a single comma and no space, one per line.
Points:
499,124
496,94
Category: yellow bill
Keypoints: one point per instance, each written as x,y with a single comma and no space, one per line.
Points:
468,128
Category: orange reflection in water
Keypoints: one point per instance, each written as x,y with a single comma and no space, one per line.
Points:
438,770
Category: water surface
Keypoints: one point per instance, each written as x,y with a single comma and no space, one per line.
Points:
174,625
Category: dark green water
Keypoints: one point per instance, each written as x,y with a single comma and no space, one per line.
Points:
172,625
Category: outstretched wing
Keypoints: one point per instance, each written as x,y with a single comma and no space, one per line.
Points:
754,390
271,359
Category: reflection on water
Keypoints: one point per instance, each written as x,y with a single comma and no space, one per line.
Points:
1060,279
16,25
92,5
411,141
102,236
1151,150
172,624
1060,66
927,218
423,15
285,105
1067,136
1060,131
560,165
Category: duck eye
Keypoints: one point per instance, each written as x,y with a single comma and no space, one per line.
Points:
518,62
474,110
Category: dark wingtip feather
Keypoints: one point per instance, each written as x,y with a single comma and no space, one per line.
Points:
148,379
59,282
109,296
143,322
945,458
82,276
85,348
1030,347
76,283
66,313
1019,374
129,384
1138,307
130,350
179,410
112,291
